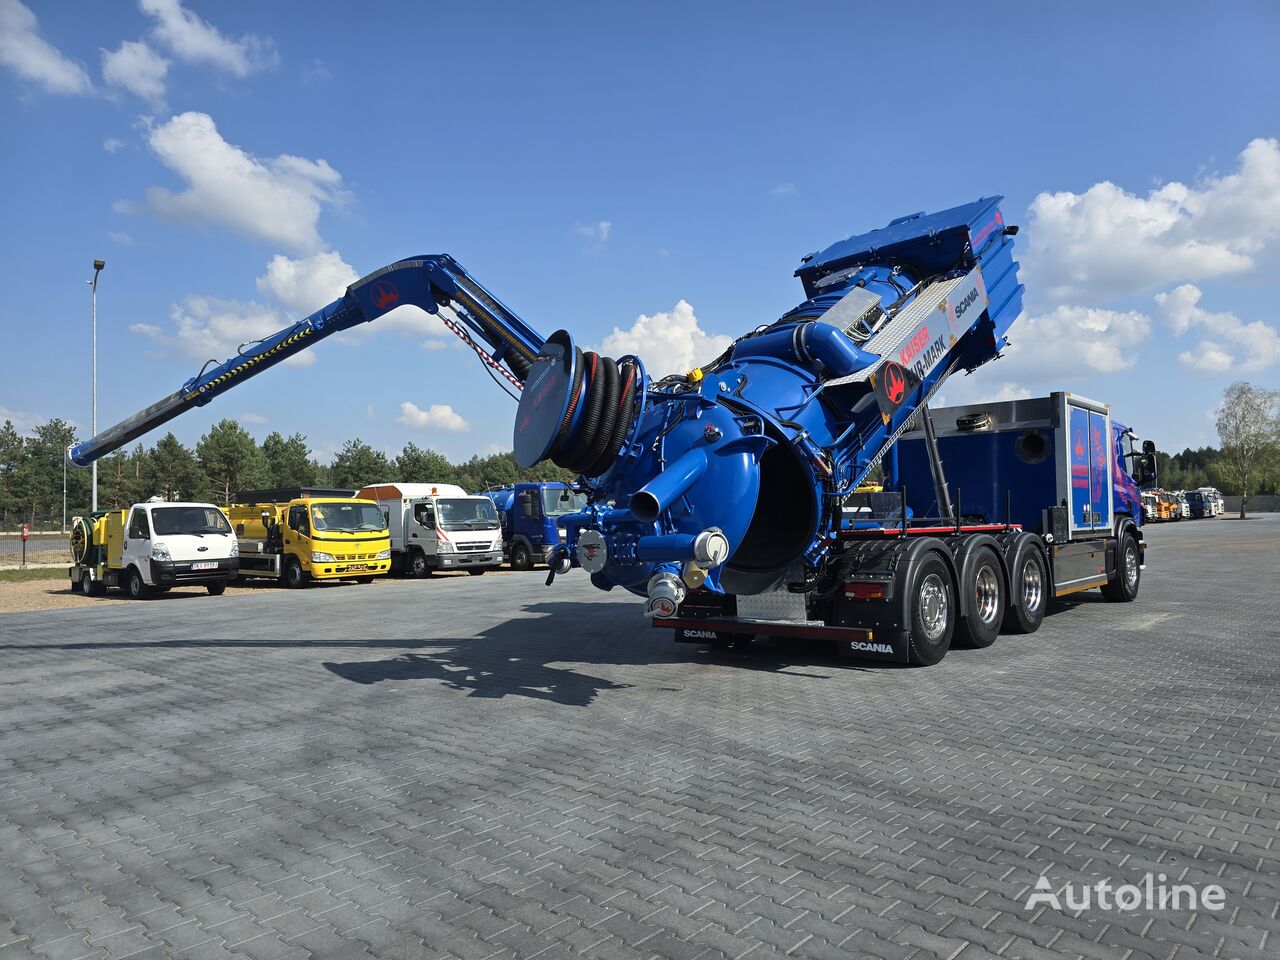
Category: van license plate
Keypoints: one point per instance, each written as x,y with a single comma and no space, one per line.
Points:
205,565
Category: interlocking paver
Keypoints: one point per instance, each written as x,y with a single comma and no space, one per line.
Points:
484,768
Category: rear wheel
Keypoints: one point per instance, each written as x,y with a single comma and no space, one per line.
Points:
295,578
1123,588
985,591
1030,586
521,558
933,612
89,587
476,571
216,589
136,586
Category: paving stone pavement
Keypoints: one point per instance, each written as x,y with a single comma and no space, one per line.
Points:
487,768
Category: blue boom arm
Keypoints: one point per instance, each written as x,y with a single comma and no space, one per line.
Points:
505,343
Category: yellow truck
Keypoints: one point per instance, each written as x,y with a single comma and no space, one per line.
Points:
300,534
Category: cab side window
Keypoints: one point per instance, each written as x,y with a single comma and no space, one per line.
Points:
425,513
139,529
298,520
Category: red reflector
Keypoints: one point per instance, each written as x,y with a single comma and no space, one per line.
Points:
864,591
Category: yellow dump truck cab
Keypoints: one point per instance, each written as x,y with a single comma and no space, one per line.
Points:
301,534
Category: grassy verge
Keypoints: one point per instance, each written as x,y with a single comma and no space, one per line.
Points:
16,576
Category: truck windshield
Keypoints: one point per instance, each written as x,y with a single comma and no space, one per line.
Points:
346,517
196,521
469,514
554,506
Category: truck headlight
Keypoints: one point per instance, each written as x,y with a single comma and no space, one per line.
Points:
383,554
235,549
160,551
318,556
496,545
444,546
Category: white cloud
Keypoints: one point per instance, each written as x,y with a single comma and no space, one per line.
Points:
207,328
1073,342
137,68
305,285
670,342
33,58
438,416
1230,344
277,200
597,232
112,144
783,190
252,418
197,41
121,238
1108,242
24,421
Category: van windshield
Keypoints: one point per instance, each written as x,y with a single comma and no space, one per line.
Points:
346,517
554,506
196,521
469,514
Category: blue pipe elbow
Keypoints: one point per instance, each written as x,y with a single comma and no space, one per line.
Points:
806,344
655,497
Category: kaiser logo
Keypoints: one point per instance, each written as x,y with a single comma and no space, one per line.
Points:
895,383
384,295
591,550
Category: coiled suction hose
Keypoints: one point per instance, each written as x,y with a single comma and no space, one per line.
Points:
604,391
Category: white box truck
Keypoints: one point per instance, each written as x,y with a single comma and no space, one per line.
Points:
437,526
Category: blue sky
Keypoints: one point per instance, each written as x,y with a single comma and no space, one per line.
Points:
646,176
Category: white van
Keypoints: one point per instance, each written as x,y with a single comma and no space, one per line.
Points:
152,547
437,526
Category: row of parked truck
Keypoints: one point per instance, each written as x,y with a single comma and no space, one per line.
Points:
299,535
1165,505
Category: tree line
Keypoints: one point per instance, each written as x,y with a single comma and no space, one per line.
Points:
225,461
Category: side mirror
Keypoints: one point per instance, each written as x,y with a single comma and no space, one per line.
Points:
1149,447
564,495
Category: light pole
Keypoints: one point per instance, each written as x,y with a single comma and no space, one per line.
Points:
93,428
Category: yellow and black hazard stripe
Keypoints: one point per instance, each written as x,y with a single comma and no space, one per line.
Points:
249,362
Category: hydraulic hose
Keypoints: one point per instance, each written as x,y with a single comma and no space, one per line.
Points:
599,416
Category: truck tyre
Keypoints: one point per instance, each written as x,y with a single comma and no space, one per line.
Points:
418,566
1030,588
216,589
135,585
476,571
933,611
295,578
521,558
1124,588
363,580
985,591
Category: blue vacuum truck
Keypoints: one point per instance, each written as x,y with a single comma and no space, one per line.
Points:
532,516
717,494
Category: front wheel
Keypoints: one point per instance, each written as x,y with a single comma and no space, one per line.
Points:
476,571
418,566
136,586
364,579
1124,586
295,578
933,612
984,586
216,589
521,558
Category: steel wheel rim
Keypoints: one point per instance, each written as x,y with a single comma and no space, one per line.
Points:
1131,565
987,594
1032,586
933,607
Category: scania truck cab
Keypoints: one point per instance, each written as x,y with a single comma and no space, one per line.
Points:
437,526
532,519
153,547
297,535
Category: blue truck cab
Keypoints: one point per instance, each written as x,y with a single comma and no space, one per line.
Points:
532,519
